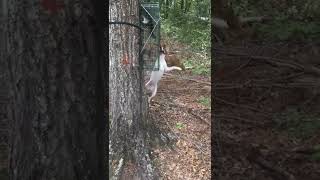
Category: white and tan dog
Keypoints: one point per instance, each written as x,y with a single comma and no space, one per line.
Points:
156,75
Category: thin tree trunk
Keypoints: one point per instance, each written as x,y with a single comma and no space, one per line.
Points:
127,103
182,5
187,6
57,92
174,4
166,8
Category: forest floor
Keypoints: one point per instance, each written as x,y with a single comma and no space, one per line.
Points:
267,106
265,115
183,111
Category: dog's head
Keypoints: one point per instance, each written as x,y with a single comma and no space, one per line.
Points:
163,49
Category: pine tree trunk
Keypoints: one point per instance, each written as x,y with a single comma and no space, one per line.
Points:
56,85
127,102
4,95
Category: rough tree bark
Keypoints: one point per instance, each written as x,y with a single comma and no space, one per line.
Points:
3,95
56,76
127,103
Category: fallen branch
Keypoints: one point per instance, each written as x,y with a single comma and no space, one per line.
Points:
240,119
282,78
233,71
263,85
275,61
304,150
195,80
264,95
199,117
241,106
190,111
278,172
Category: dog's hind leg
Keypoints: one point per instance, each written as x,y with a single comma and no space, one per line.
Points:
153,93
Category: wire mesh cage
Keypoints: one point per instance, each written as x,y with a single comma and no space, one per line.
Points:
150,34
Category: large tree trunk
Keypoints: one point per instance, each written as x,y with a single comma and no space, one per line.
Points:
4,90
127,103
57,92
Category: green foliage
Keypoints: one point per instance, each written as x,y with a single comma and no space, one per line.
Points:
295,9
292,20
198,67
285,30
188,23
188,31
206,101
297,124
186,26
179,125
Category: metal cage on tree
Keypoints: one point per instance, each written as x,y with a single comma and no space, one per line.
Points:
150,34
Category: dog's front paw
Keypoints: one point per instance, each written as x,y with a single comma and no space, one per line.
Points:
179,69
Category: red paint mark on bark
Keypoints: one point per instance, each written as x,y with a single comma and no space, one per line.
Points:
125,59
52,6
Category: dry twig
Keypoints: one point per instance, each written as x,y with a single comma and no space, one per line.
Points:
194,80
241,106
